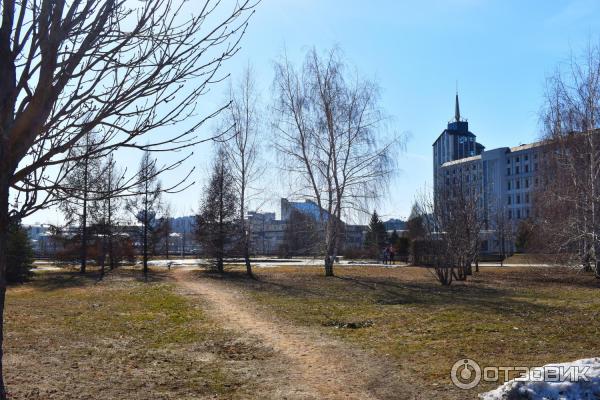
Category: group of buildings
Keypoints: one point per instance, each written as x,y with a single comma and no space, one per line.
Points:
267,233
503,179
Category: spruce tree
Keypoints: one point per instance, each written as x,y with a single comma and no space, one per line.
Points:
217,218
376,238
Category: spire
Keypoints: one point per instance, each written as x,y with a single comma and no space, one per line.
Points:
457,109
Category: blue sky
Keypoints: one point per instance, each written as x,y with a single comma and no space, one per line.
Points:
499,51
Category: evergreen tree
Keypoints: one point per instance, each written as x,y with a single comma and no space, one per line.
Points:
19,253
394,237
216,227
376,238
80,190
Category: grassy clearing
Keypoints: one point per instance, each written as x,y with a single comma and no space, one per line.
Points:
73,337
500,317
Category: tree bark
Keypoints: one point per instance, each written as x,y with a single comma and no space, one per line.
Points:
4,222
84,232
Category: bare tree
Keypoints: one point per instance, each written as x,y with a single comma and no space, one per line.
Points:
327,124
166,228
432,247
568,198
463,221
242,150
301,235
115,67
451,223
146,204
504,231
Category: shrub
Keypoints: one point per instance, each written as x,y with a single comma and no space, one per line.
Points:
20,254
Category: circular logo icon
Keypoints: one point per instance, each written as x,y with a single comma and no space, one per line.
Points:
465,374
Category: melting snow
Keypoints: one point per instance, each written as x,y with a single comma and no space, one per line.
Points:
585,385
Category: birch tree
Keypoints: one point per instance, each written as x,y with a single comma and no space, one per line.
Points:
568,199
327,124
242,149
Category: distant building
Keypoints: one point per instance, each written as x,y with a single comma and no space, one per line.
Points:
307,207
394,225
503,178
267,233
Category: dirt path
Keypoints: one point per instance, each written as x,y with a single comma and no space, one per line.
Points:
307,364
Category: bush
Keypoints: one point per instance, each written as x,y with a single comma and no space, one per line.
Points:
19,253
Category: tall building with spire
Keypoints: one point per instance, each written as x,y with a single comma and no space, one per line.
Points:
502,178
455,142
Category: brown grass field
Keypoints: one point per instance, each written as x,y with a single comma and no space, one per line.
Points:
73,337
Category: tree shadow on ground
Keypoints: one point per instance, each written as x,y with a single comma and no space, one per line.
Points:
476,297
55,280
545,277
257,282
67,279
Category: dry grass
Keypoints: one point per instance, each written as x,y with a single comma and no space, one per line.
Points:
73,337
500,316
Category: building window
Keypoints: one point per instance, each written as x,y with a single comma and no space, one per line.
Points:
535,166
537,181
508,160
527,212
509,200
518,214
508,187
526,198
527,183
517,169
508,171
518,199
518,183
526,157
517,160
509,214
526,168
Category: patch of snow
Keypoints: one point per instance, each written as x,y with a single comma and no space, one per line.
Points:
45,268
175,262
535,386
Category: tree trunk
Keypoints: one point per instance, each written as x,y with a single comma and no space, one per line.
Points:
109,232
83,265
247,260
84,220
4,222
329,265
167,242
145,249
